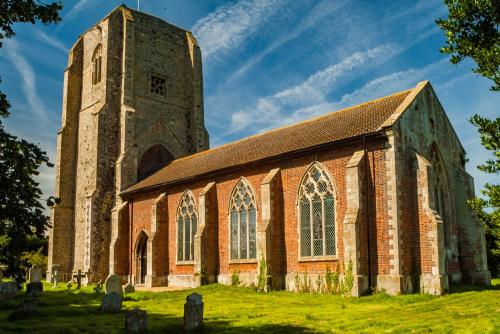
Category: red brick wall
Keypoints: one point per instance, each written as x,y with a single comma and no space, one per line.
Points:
284,251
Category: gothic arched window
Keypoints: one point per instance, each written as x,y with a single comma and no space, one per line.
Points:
243,222
186,227
439,187
316,213
96,65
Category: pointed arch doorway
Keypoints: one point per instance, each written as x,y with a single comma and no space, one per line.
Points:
141,259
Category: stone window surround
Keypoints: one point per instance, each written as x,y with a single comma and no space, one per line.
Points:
254,203
195,213
320,258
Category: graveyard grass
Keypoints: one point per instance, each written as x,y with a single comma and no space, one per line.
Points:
468,309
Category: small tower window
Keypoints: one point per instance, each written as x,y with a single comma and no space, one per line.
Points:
96,65
158,85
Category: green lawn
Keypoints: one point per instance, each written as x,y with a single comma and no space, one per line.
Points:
241,310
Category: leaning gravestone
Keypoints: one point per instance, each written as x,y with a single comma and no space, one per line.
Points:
111,303
136,321
34,285
193,312
113,284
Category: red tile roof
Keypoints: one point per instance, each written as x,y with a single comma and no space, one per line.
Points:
365,118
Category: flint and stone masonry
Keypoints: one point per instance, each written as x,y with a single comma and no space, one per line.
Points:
377,191
133,101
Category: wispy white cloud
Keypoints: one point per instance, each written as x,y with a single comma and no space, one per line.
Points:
231,24
76,9
272,110
51,41
319,12
28,77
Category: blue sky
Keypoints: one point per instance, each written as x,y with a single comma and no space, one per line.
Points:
266,63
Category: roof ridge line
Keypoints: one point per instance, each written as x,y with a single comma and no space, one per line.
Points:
294,124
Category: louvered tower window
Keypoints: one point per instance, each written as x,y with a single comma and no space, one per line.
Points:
317,214
243,222
186,227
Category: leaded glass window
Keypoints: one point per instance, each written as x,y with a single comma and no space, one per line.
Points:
243,222
186,227
316,214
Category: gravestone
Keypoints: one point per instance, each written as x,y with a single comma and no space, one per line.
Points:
136,321
55,273
26,309
78,277
111,303
69,284
35,274
113,284
55,278
129,288
193,312
34,285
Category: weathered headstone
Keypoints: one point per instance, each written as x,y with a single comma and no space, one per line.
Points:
111,303
34,285
136,321
113,284
69,284
26,309
193,312
55,278
129,288
35,274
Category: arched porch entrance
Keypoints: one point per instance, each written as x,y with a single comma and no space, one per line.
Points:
141,259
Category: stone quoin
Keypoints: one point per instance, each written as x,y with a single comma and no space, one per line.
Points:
379,188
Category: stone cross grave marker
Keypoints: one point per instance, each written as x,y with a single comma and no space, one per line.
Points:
193,312
78,277
113,284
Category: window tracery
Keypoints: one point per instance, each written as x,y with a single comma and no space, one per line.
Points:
186,227
316,214
243,222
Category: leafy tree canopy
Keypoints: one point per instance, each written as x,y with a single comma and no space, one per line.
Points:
22,221
488,208
472,30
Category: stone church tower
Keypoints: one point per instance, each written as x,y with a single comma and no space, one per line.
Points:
133,102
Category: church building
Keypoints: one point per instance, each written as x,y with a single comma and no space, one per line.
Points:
377,192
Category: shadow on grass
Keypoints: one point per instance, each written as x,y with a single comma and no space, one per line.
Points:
73,311
462,287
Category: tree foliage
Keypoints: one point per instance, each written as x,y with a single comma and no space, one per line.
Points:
488,208
22,220
472,30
